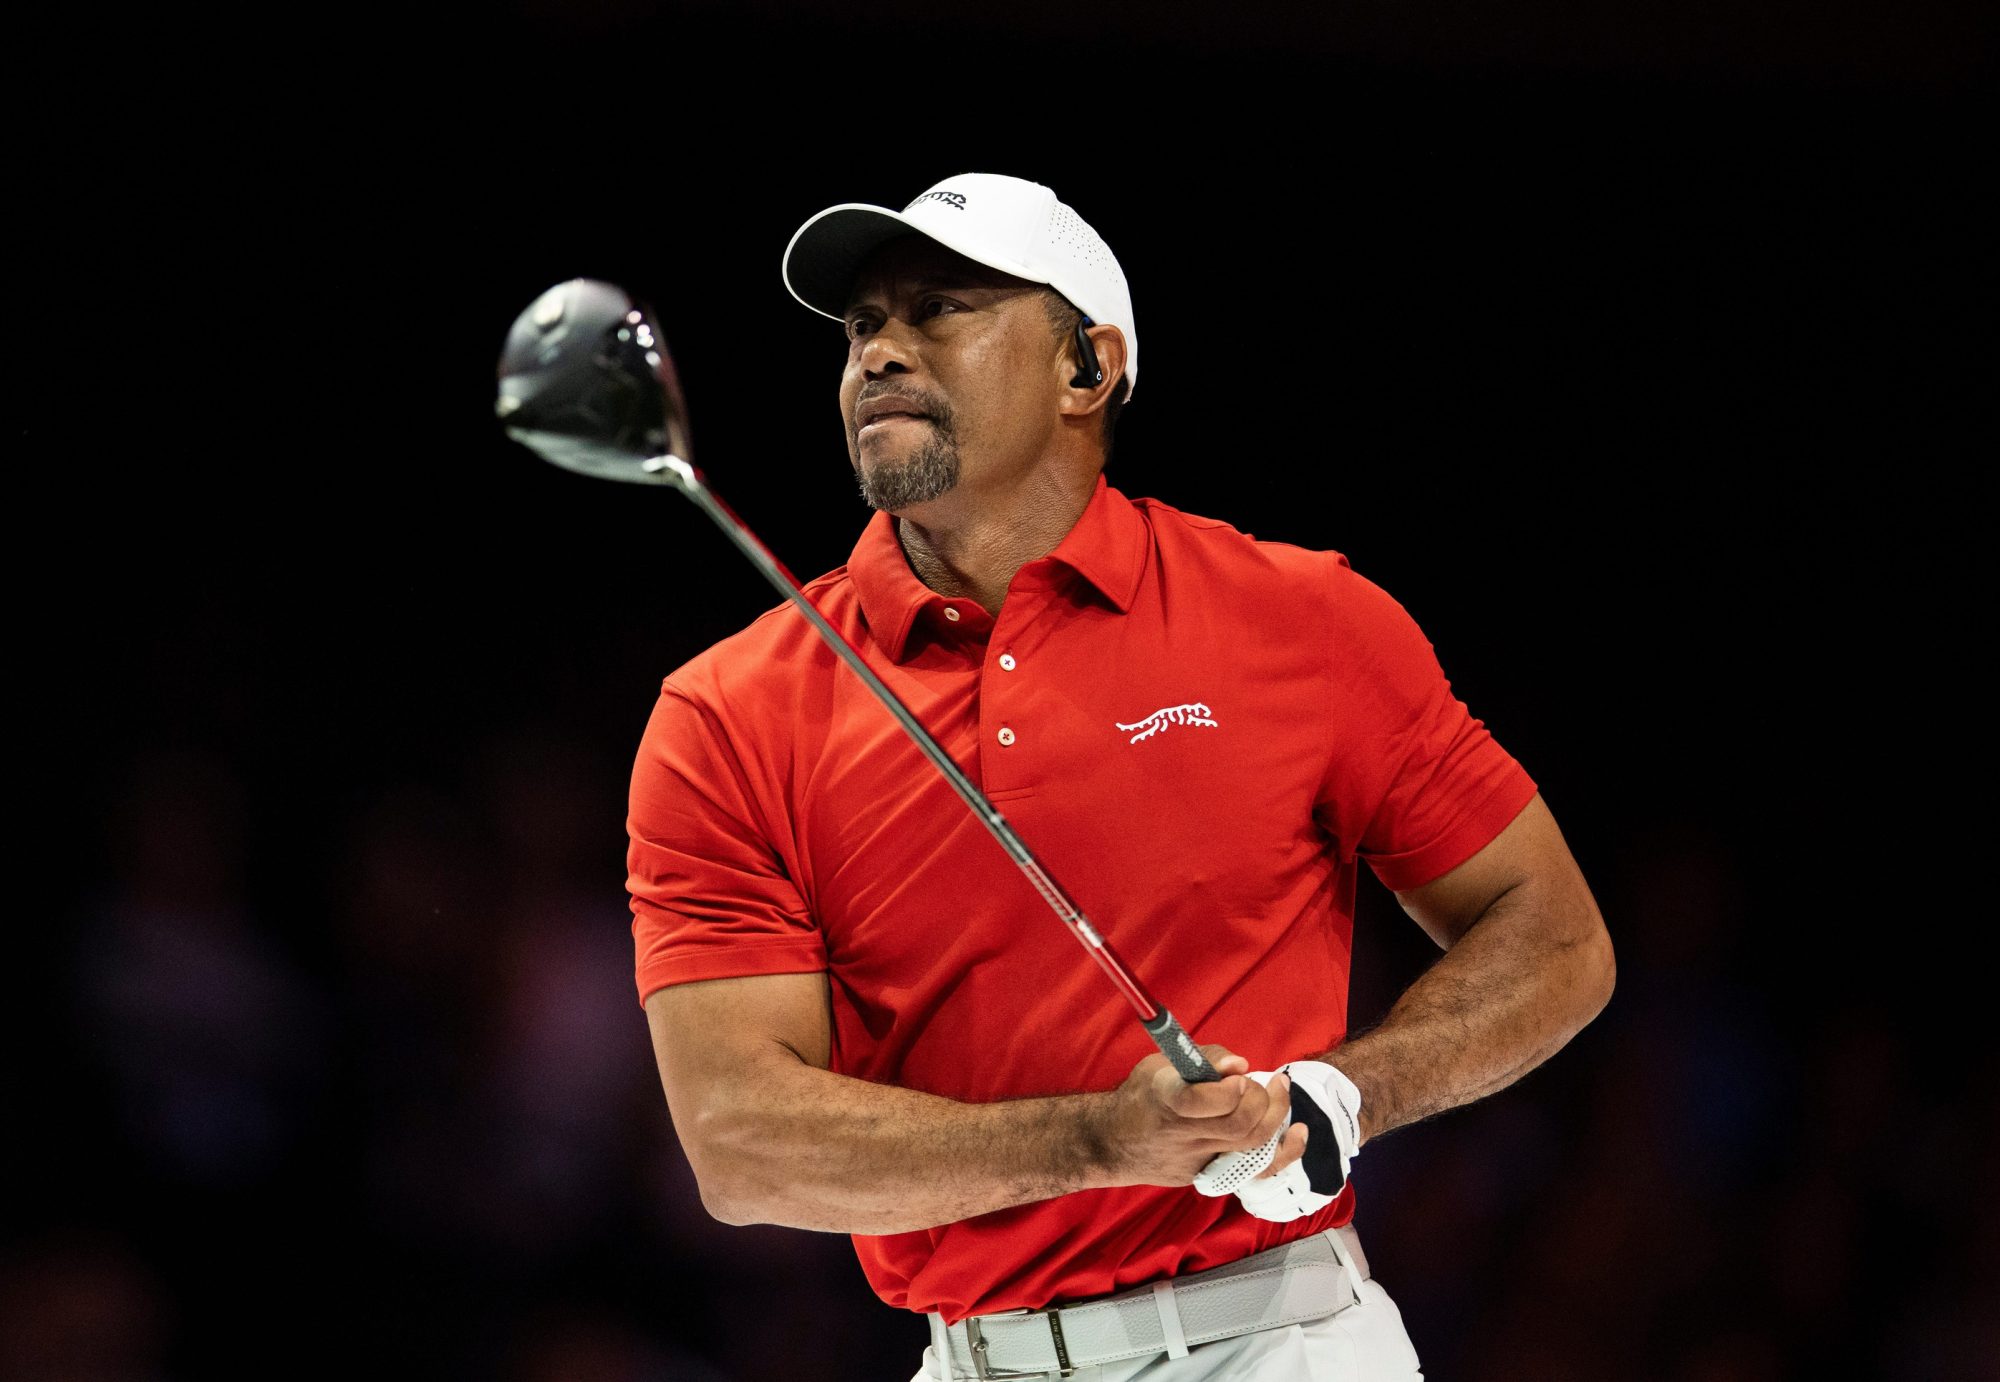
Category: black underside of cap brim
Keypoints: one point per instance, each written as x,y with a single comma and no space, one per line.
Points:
823,261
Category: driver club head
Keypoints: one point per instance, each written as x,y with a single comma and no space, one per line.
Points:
586,383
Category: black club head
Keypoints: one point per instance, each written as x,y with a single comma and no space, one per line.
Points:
586,383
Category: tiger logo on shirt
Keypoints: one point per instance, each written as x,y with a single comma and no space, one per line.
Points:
1192,713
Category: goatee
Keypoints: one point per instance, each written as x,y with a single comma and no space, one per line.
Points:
923,477
933,469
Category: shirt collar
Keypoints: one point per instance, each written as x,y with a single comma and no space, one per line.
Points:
1107,548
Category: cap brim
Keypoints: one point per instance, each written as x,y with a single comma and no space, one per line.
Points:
825,254
828,251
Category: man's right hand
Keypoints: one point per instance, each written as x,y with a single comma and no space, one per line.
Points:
1157,1129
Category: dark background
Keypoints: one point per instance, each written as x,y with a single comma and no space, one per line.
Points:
1643,353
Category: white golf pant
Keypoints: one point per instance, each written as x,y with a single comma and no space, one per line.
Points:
1362,1342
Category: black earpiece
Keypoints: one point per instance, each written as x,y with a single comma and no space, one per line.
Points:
1089,374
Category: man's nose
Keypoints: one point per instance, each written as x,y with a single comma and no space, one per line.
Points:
888,350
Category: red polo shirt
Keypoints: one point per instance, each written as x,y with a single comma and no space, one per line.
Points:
1200,734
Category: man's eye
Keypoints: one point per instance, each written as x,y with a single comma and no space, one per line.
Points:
858,327
935,306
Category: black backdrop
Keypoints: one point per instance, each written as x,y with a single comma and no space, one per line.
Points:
1644,356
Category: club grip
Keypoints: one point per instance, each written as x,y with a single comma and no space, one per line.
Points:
1177,1046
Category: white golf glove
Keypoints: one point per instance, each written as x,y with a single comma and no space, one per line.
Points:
1327,1102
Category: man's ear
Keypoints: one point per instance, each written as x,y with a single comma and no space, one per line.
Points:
1108,344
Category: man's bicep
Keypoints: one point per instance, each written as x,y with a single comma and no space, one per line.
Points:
1531,850
723,1029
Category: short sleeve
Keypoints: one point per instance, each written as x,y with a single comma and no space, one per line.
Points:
1415,784
711,898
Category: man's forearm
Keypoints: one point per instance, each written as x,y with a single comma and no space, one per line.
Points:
775,1137
1504,998
811,1149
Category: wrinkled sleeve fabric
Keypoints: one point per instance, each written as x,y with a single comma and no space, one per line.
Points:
1415,784
711,898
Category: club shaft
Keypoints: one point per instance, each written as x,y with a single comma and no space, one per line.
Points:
1160,1024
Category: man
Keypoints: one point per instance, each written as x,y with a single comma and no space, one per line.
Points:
864,1019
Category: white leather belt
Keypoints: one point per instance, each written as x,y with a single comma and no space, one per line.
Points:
1307,1279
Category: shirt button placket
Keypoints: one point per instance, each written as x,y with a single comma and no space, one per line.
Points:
1006,735
1006,702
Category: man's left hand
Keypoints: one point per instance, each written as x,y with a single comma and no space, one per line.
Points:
1329,1106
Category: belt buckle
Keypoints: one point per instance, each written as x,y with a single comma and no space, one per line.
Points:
976,1344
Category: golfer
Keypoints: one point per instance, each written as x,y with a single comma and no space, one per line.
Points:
866,1022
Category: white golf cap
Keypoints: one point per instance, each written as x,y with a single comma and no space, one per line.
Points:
1009,224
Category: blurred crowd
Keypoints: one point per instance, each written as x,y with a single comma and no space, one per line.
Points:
385,1101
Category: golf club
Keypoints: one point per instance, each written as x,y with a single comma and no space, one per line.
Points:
586,384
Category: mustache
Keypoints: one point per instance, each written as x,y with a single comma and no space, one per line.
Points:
933,406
